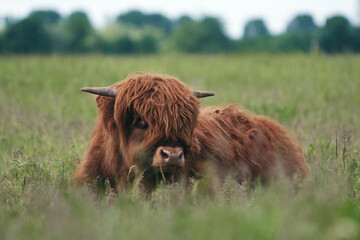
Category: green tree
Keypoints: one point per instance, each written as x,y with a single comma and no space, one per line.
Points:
303,23
124,45
147,44
336,36
255,28
187,37
133,17
46,16
355,39
292,42
80,30
256,37
301,36
26,36
159,21
204,36
183,19
213,37
2,43
53,25
139,19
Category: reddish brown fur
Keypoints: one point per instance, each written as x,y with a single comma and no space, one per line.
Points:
236,140
244,144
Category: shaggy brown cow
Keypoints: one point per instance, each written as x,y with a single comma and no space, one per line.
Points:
152,122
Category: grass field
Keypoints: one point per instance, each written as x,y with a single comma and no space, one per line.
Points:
45,123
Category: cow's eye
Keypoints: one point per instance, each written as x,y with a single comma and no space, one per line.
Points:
139,123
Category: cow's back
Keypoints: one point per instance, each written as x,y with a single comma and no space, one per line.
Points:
244,144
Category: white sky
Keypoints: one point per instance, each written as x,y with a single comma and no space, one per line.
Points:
233,13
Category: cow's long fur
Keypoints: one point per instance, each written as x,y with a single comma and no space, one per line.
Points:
247,145
237,141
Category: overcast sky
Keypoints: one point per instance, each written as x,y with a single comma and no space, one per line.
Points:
233,13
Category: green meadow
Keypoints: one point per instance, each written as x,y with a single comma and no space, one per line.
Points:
45,124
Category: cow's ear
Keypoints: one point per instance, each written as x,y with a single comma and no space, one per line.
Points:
104,102
106,110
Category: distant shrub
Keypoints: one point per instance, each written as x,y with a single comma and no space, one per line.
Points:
26,36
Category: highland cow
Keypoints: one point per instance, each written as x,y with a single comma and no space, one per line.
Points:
152,124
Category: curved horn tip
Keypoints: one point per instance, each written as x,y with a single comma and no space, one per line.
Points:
85,89
202,94
102,91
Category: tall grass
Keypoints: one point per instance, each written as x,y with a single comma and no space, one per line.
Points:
46,121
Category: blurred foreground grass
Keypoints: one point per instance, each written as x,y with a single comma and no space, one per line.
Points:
45,122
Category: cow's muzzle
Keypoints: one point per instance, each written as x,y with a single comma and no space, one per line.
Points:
169,156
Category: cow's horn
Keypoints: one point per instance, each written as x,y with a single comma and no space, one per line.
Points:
102,91
201,94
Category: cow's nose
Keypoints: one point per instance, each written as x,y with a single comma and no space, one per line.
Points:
165,156
171,157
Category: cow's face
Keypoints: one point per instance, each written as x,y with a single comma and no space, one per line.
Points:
153,151
155,116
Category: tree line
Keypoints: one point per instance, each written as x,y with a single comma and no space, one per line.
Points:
137,32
